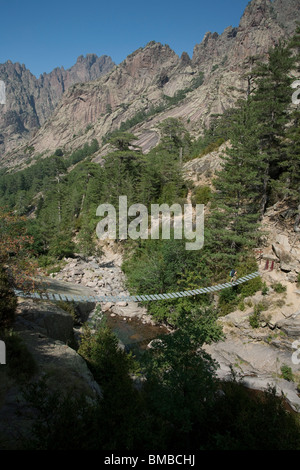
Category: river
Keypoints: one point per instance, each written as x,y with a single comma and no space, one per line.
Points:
91,276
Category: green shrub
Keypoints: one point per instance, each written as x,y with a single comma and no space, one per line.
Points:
62,246
212,147
54,414
44,261
251,287
287,373
278,287
8,301
265,289
201,195
20,362
105,359
254,319
228,300
68,307
250,420
53,270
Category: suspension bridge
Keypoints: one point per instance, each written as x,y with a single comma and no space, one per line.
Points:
133,298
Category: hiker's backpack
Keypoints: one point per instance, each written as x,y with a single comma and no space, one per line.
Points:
232,273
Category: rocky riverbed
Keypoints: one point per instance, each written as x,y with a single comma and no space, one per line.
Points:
103,276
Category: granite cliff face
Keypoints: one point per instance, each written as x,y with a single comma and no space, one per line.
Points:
259,29
59,80
210,82
30,101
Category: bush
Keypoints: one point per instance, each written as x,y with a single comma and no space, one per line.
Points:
239,414
246,266
212,147
278,287
250,287
254,319
228,300
8,301
202,195
20,363
55,415
44,261
287,373
107,362
68,307
62,246
265,289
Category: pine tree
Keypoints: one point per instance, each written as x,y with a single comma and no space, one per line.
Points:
287,185
272,98
233,225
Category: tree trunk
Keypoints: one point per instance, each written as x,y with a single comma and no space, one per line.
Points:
264,198
59,201
297,221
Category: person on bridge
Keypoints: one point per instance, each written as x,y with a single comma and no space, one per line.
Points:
233,275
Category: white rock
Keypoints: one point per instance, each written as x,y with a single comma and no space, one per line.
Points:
283,241
107,306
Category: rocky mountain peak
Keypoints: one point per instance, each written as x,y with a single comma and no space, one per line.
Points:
156,50
185,59
259,29
257,12
89,57
30,101
287,13
149,60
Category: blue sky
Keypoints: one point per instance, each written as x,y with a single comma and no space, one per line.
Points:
45,35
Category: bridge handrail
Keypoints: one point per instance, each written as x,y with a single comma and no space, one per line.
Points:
134,298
